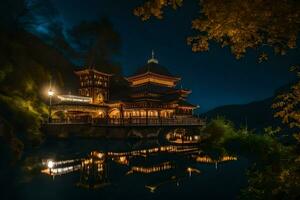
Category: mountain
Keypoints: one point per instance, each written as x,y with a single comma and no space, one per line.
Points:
256,115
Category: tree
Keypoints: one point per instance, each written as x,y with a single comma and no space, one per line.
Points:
239,24
26,63
287,107
98,42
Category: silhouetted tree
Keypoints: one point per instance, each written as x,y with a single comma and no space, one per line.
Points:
239,24
26,64
98,42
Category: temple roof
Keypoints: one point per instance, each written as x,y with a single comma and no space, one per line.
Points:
183,103
88,70
153,70
152,66
151,87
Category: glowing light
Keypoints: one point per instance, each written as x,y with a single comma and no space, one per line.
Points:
50,164
50,93
122,158
74,98
100,155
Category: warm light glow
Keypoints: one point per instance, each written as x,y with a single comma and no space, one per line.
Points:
50,164
74,98
150,79
122,158
50,92
100,155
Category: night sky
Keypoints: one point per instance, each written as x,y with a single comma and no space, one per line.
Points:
215,77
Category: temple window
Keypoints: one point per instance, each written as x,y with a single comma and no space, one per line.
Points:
115,113
152,113
101,114
143,113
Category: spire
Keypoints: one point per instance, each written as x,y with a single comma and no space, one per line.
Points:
153,60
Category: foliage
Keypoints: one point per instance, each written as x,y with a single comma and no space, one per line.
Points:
280,181
239,24
274,172
258,146
287,108
26,114
97,42
275,168
33,49
275,178
155,8
26,64
20,104
272,131
218,130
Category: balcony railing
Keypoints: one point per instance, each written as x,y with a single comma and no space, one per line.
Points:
135,121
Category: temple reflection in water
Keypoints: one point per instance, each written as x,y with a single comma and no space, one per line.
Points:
177,163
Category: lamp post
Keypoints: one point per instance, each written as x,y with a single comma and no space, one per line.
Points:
50,94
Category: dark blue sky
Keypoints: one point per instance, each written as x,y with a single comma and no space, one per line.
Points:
215,77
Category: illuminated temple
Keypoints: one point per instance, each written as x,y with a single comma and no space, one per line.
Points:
153,97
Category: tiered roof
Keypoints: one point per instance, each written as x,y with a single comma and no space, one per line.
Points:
152,72
147,84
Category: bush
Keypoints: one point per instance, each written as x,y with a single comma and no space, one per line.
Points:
219,130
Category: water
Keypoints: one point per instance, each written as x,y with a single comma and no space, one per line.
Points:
149,170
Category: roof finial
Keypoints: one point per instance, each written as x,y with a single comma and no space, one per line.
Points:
153,60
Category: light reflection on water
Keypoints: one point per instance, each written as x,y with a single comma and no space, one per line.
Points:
133,170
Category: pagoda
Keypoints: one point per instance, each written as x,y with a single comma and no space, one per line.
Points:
154,96
154,93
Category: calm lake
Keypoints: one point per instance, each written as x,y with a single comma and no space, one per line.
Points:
113,169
